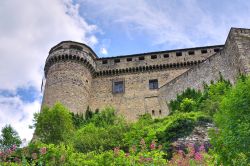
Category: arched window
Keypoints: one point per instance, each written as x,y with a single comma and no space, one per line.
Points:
159,112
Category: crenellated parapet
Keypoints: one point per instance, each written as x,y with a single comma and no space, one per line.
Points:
72,51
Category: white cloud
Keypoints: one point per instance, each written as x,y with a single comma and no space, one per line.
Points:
19,114
28,29
183,23
104,51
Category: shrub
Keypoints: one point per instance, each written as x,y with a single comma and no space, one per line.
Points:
53,125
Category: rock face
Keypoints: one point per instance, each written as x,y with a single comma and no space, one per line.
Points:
198,137
140,83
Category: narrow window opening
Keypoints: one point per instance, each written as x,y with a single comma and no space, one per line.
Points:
129,59
190,52
159,112
153,112
118,86
166,55
141,58
153,84
179,54
153,56
104,62
117,60
203,51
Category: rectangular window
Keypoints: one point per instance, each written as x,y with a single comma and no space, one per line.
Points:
203,51
179,54
153,56
153,84
141,58
129,59
117,60
104,62
190,52
118,86
166,55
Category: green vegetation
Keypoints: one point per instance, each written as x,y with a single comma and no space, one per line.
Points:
104,138
8,138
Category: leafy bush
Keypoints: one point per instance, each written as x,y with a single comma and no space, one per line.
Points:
53,125
231,141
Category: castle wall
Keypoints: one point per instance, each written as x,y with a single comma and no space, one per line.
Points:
137,98
68,82
76,77
228,62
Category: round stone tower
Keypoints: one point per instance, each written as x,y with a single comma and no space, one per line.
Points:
68,71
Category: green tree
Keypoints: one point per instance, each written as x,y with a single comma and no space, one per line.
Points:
232,139
88,114
9,137
53,125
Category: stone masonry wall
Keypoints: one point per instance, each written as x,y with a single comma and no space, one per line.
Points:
70,83
228,62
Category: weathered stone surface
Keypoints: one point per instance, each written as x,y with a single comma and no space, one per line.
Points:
76,76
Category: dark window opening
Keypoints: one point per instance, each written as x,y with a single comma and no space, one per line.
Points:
153,84
129,59
203,51
141,58
166,55
190,52
104,62
117,60
216,50
118,87
153,56
153,112
179,54
159,112
76,47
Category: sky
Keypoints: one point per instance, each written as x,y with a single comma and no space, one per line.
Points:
28,29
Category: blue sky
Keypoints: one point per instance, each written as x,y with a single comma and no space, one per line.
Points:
28,29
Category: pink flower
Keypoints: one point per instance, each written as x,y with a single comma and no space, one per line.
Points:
198,156
43,150
13,147
202,148
152,146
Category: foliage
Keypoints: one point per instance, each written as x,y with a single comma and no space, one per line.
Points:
92,138
88,114
53,125
189,93
231,141
9,138
78,120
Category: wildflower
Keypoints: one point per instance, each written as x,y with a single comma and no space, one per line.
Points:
116,151
152,145
133,149
202,148
34,156
143,144
43,150
62,159
13,148
198,156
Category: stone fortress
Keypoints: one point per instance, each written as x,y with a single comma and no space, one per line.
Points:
139,83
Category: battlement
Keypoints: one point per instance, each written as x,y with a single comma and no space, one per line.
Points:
160,60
